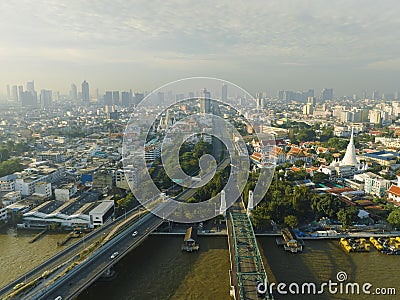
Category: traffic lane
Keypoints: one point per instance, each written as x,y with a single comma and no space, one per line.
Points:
101,262
64,255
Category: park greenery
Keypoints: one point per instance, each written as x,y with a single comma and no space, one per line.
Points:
394,218
189,155
293,205
10,166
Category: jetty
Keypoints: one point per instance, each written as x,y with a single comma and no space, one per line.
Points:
289,241
189,241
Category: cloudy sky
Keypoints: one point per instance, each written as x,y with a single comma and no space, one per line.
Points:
259,45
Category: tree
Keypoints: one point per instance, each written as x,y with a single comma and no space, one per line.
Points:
347,215
299,163
320,177
291,221
394,218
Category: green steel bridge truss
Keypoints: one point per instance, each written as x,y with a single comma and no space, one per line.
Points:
249,266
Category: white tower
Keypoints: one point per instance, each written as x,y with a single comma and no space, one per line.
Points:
349,158
222,209
250,203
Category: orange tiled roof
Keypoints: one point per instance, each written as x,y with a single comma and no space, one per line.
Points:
256,156
394,189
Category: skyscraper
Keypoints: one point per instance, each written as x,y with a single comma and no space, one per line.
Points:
205,101
8,92
375,95
85,93
30,86
115,97
14,93
20,92
126,98
73,92
45,98
108,100
224,95
327,94
160,98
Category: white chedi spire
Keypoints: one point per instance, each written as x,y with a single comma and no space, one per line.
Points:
350,158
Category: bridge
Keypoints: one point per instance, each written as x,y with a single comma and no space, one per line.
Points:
247,268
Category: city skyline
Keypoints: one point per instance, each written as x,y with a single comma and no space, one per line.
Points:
257,45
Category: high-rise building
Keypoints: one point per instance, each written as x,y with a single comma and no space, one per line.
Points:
85,93
138,98
280,95
160,98
45,98
73,94
20,92
115,97
108,100
30,86
375,95
364,95
326,94
14,93
224,94
205,101
312,101
8,92
126,98
27,99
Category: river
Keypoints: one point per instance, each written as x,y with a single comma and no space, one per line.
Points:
19,256
158,269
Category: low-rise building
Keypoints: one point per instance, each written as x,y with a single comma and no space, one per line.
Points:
65,192
101,213
43,189
374,184
7,183
11,197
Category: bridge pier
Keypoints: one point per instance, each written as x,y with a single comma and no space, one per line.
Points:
108,275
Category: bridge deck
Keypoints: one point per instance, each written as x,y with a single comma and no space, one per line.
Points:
248,266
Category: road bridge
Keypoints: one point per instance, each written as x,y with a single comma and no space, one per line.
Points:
247,268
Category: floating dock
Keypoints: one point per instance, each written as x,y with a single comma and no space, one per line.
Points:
289,242
189,242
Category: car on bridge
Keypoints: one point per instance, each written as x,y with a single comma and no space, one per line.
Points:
58,298
134,233
114,255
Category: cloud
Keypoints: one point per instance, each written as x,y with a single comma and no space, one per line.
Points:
289,34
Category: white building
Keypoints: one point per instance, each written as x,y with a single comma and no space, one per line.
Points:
374,184
11,197
3,213
125,178
7,183
43,189
101,213
394,191
65,192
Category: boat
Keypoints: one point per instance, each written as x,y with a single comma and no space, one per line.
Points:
355,245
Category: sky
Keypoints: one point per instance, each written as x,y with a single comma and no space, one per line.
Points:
350,46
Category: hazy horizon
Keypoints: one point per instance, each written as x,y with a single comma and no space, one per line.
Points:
258,45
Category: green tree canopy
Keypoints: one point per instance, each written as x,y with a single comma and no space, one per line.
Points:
394,218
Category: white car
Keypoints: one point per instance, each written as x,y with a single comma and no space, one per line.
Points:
134,233
114,255
58,298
